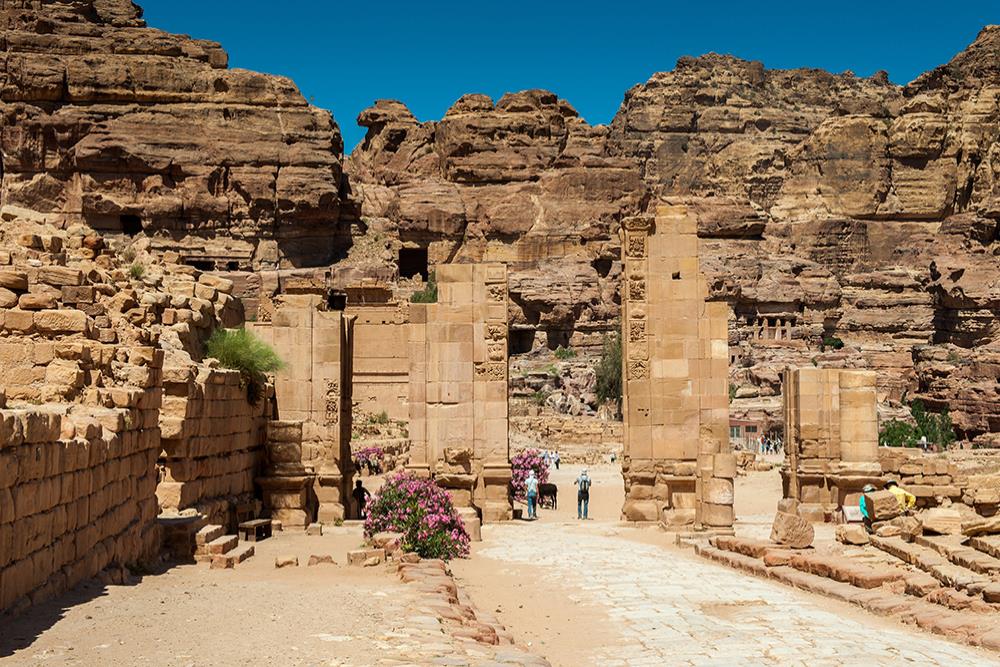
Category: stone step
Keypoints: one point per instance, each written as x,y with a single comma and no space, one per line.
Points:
229,560
208,533
932,562
988,544
219,545
973,628
956,550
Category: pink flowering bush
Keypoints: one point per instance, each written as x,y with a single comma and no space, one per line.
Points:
422,512
368,455
529,459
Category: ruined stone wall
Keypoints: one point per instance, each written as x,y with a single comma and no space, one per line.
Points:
77,495
677,464
315,387
458,388
381,370
831,438
212,442
578,439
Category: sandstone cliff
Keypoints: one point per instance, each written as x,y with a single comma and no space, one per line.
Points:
130,129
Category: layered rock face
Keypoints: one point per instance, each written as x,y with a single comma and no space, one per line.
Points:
524,181
130,130
839,207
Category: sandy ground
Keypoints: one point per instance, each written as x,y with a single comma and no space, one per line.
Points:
191,615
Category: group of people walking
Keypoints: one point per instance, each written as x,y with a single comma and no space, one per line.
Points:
583,483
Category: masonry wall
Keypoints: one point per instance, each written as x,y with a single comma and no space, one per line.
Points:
458,387
212,442
381,367
77,495
315,388
677,464
831,438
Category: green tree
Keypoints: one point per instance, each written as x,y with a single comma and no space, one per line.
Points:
429,294
937,428
609,370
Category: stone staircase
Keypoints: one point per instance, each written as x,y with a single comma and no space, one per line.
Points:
914,582
221,551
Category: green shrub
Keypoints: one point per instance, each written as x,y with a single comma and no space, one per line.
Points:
732,391
539,397
564,353
137,271
381,418
240,350
937,428
609,370
551,370
833,343
429,294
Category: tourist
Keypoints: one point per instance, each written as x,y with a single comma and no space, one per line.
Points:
546,458
582,494
361,496
906,499
869,488
555,459
531,488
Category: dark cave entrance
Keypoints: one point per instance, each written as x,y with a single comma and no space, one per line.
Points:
413,262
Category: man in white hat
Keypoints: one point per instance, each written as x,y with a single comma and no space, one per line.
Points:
582,494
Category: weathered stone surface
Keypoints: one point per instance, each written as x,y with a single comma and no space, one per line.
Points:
942,521
324,559
286,561
882,505
852,533
792,530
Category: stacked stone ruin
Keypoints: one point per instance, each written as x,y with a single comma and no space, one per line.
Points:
677,464
458,388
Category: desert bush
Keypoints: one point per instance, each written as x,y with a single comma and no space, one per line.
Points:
240,350
564,353
936,427
529,459
833,343
429,294
422,512
137,271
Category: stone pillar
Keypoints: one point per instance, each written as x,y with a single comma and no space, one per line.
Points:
314,387
677,464
831,438
458,388
285,483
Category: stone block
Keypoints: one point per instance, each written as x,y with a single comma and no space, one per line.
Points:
882,505
852,534
942,521
286,561
314,529
60,321
792,530
321,560
640,510
359,557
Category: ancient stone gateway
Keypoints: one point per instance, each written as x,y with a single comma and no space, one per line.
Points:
677,465
458,388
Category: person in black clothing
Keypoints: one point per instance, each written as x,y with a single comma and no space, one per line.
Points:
361,496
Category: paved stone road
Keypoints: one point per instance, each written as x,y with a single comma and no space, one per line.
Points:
674,608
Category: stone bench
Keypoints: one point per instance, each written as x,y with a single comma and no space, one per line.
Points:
256,530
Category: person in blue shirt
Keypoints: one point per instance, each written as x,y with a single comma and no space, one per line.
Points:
582,494
864,510
531,488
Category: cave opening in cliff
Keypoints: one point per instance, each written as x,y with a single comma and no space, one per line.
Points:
413,262
336,301
521,341
131,224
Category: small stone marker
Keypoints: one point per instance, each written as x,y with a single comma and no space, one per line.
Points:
286,561
321,560
361,556
314,529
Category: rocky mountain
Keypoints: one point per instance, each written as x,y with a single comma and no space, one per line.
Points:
848,221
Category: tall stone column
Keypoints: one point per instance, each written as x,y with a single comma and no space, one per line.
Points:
677,465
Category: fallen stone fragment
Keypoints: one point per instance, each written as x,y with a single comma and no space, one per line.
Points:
882,505
985,526
321,560
361,556
792,531
286,561
372,561
889,530
942,521
390,542
852,533
314,529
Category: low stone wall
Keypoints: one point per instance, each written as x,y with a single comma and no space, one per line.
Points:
77,495
213,442
586,440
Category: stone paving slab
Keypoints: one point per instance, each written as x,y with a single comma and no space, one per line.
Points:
669,607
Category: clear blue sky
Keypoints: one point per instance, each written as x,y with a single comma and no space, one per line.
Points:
344,54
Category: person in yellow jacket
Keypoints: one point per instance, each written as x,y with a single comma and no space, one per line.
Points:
906,499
